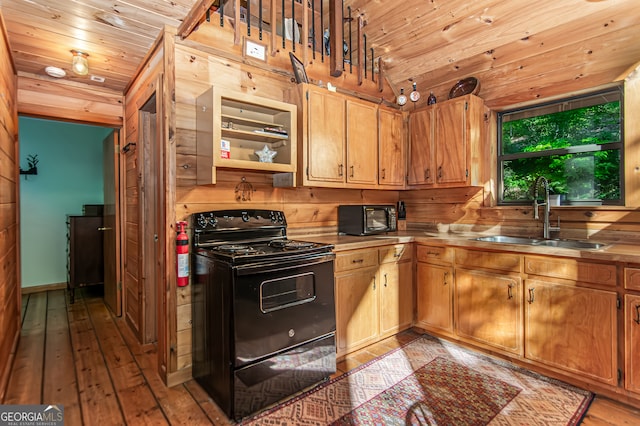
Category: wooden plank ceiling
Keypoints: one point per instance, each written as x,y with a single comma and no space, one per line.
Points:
520,50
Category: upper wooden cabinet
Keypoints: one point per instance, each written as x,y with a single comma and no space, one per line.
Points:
340,137
391,148
238,130
446,143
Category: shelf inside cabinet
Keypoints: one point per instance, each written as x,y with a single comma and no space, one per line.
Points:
238,130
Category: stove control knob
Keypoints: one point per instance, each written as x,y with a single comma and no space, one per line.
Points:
280,217
292,332
273,217
245,217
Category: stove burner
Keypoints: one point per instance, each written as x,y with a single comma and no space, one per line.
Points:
290,245
236,249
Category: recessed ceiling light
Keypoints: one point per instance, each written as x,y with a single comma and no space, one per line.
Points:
97,78
55,72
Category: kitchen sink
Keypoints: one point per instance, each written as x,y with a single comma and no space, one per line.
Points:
569,244
509,240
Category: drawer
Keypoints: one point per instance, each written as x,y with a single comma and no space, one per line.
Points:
356,259
571,269
632,278
395,253
436,254
511,262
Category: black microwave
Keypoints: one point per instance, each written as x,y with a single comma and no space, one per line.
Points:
366,219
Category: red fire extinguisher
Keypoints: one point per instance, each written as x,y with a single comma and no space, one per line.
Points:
182,254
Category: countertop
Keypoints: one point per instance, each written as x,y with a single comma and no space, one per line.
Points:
612,252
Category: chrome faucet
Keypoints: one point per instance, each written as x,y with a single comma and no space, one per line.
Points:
547,207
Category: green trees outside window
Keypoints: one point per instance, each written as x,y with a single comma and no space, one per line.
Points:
577,144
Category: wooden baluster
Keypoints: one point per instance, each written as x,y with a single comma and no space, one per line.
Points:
274,16
313,29
236,28
305,33
322,30
293,26
360,37
336,23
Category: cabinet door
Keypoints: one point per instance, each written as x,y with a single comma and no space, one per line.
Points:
572,328
421,147
434,297
362,143
356,309
451,142
396,297
632,342
391,158
488,309
325,137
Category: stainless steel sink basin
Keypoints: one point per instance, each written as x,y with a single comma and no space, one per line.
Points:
569,244
504,239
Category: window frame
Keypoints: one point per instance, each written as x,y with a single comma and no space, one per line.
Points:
620,145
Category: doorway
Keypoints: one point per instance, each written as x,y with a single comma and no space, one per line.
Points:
68,181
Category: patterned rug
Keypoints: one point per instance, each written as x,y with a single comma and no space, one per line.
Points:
432,382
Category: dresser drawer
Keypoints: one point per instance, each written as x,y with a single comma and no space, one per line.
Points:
632,278
356,259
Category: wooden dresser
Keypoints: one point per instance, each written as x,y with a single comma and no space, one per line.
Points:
85,262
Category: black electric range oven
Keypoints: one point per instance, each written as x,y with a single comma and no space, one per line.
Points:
263,310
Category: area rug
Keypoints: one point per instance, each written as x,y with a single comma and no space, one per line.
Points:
429,381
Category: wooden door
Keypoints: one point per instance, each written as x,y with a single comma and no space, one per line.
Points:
632,342
392,152
572,328
451,142
111,223
488,309
325,137
396,297
434,297
356,309
421,147
362,143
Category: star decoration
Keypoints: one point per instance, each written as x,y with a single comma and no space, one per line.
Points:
266,155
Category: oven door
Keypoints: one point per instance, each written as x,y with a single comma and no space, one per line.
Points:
280,304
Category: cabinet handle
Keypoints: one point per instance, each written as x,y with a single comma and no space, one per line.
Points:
440,172
637,318
385,279
510,291
531,295
384,173
446,274
427,174
340,170
357,261
104,229
351,174
374,282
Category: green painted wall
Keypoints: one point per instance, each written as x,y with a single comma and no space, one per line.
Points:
69,175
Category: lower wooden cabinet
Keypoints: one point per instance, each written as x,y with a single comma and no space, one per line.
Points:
435,297
374,295
632,342
488,309
396,294
356,309
572,328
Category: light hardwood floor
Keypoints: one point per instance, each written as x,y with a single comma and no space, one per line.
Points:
83,357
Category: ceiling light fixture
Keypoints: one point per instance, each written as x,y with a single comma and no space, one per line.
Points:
80,64
55,72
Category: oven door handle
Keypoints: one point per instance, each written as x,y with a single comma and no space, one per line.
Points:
282,265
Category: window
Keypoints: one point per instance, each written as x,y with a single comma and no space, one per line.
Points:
577,144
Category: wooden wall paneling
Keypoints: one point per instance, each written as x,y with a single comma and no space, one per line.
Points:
632,139
167,302
10,296
67,101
